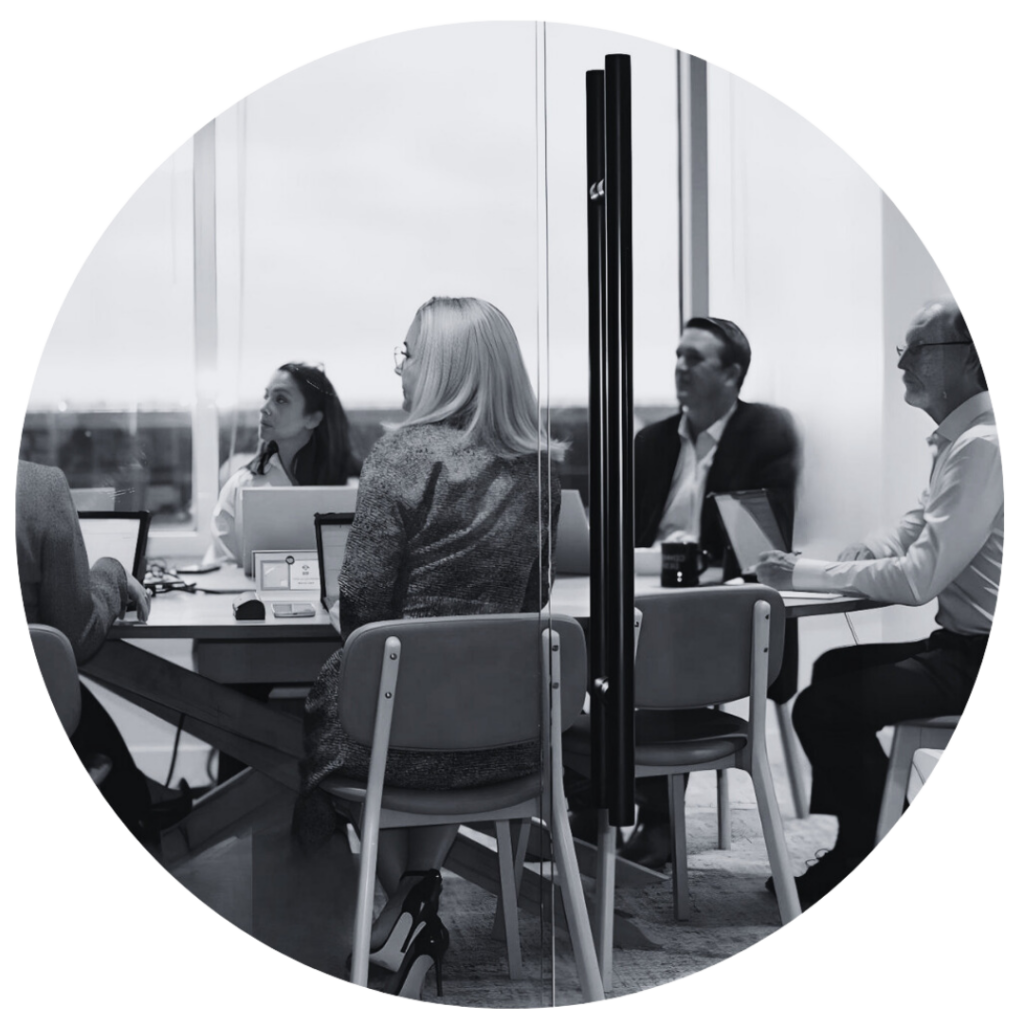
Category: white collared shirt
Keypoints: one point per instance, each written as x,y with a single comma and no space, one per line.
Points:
681,518
951,546
226,545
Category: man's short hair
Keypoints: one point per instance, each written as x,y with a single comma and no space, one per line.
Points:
737,348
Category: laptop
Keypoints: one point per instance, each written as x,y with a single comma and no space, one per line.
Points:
332,529
750,524
120,535
281,518
572,552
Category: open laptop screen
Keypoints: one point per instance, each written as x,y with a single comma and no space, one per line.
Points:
281,518
750,524
120,535
332,529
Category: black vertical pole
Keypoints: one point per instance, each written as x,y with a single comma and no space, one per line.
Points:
611,435
598,439
619,480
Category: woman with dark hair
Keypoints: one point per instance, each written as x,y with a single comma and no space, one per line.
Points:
444,498
304,441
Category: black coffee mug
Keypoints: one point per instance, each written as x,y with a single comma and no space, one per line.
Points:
680,564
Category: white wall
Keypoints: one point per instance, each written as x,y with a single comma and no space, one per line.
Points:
796,261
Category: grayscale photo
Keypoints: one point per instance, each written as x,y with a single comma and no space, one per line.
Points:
509,515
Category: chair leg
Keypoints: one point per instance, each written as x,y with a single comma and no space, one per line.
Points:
774,836
604,910
364,898
572,898
680,874
724,811
519,859
509,900
906,739
790,746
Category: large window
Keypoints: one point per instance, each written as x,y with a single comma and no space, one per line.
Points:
353,190
113,398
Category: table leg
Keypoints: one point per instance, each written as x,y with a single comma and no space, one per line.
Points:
267,740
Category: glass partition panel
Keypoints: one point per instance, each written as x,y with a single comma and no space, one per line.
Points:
349,193
309,224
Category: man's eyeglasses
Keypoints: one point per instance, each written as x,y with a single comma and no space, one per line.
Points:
903,348
401,354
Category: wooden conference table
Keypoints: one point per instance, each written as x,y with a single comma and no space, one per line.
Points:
194,690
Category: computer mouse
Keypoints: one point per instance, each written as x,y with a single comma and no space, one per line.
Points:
249,606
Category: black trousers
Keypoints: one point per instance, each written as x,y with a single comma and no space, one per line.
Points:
125,787
854,692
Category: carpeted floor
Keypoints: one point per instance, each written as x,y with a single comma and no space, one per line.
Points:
302,905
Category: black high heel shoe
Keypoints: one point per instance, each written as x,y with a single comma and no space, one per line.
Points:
429,947
418,907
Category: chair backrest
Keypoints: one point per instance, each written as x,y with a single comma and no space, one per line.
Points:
470,682
60,673
694,646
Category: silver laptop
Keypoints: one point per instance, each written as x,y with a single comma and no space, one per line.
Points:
750,524
572,552
281,518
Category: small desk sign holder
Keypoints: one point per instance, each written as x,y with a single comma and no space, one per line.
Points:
282,577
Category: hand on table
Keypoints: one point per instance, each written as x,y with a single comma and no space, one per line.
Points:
775,569
858,552
138,593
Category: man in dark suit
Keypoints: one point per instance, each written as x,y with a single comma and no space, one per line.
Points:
716,443
731,445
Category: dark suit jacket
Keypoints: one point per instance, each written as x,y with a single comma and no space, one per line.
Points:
759,448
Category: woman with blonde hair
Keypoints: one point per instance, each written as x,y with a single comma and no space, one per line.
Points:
446,497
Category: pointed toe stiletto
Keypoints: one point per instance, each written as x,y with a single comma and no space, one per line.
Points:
418,908
427,949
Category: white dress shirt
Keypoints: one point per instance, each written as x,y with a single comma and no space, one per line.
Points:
951,547
227,513
681,518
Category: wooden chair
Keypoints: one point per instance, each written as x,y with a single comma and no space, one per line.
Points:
465,683
60,674
698,648
909,737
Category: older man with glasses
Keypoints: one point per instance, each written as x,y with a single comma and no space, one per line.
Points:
949,548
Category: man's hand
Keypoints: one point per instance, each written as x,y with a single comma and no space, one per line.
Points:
775,569
336,616
858,552
138,593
